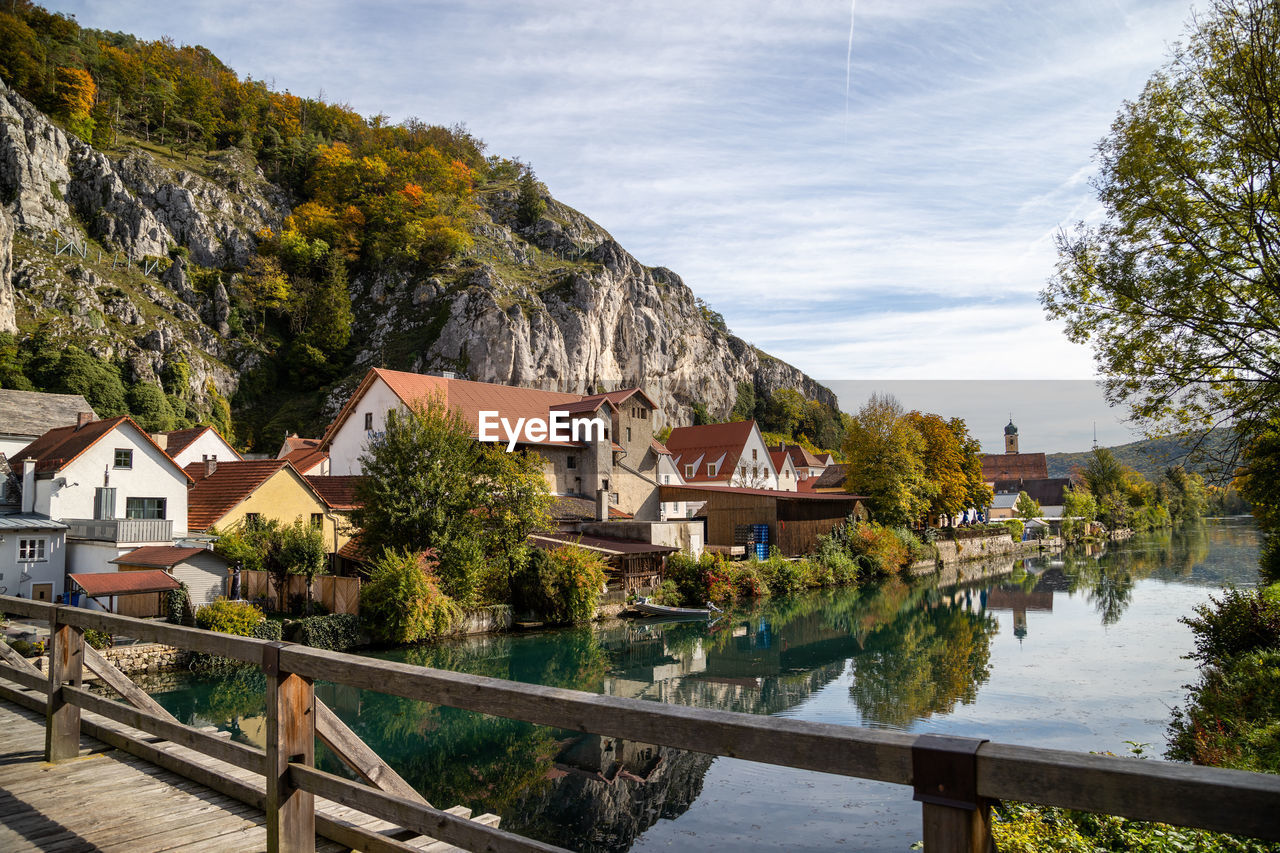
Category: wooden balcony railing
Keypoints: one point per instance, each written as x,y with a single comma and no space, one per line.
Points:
955,779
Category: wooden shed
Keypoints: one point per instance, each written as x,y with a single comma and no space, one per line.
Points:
796,520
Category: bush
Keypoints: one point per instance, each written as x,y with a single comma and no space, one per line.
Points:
1241,621
403,602
746,580
1232,718
26,649
336,631
229,617
690,576
782,576
1015,527
98,639
271,630
576,580
177,603
1269,559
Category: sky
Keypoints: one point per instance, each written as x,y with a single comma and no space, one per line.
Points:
866,189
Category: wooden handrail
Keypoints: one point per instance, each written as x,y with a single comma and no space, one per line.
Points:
1210,798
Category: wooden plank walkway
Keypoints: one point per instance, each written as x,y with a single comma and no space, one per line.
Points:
108,799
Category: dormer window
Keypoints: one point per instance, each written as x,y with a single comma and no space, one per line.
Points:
123,458
712,468
689,470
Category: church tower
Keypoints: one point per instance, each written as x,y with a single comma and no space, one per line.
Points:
1011,437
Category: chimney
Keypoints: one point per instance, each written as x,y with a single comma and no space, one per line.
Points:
28,485
162,440
83,418
210,465
602,504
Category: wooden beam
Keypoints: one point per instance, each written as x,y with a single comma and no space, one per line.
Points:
433,823
950,830
357,755
19,661
120,683
62,718
291,738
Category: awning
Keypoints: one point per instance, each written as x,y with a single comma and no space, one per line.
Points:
124,583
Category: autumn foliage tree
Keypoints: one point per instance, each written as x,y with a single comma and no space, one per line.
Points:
884,453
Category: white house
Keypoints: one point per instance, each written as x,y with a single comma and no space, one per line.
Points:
33,556
113,487
732,454
27,415
196,444
789,476
669,475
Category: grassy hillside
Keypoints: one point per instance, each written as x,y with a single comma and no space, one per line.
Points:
1150,457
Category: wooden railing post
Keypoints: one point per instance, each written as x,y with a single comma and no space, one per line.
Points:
66,661
944,772
291,736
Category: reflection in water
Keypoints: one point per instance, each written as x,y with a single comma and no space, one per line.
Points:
906,651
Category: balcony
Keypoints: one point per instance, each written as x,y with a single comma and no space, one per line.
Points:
121,530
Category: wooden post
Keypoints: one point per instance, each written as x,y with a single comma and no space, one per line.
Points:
62,719
944,772
291,736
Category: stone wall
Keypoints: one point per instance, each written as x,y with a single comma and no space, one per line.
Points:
484,620
145,657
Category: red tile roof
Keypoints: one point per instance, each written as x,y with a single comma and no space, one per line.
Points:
702,445
58,448
125,583
779,459
305,458
159,556
338,492
470,398
1014,466
214,496
659,448
801,457
293,442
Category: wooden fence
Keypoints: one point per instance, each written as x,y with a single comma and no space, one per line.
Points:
954,778
336,594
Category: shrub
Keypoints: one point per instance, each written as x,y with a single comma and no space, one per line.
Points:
746,580
1015,527
1241,621
719,580
1232,718
782,576
403,602
577,579
690,576
229,617
268,629
1269,559
816,575
26,649
98,639
335,631
177,603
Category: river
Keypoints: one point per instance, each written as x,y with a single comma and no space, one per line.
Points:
1082,651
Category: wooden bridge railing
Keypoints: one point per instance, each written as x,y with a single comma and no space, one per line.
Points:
955,779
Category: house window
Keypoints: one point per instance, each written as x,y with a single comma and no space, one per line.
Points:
368,421
689,470
712,467
572,462
145,507
628,434
754,455
317,519
666,479
31,549
124,457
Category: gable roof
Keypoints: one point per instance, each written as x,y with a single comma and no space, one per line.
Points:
214,496
58,448
779,458
337,492
179,440
35,412
1014,466
801,457
159,556
294,442
305,458
698,445
470,398
623,394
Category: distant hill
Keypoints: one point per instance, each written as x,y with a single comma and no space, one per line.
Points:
1151,457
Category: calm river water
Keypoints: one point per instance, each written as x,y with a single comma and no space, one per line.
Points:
1077,652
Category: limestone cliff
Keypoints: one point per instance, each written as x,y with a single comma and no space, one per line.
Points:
158,242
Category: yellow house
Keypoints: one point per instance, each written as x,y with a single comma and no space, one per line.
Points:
227,495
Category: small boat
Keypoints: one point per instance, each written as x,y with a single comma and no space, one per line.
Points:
642,607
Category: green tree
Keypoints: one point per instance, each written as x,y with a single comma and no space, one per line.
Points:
515,502
420,491
403,602
1177,290
1025,507
150,408
529,204
884,453
744,406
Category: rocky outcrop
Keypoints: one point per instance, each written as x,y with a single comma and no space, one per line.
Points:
8,318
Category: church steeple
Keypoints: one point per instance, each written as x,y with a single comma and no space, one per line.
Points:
1010,437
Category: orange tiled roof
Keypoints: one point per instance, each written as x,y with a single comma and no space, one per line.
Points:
659,448
305,458
160,556
1014,466
801,457
214,496
58,448
708,443
470,398
293,442
338,492
125,583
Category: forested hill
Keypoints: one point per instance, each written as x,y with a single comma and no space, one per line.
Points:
1151,457
185,245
